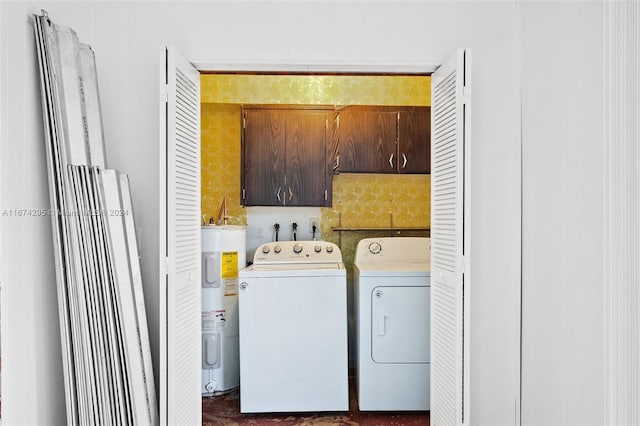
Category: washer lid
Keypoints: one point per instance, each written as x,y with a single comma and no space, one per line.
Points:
293,270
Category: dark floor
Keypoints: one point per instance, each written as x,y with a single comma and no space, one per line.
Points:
225,410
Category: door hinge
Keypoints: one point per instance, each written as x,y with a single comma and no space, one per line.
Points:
466,94
326,124
164,93
338,121
244,122
244,193
165,266
463,263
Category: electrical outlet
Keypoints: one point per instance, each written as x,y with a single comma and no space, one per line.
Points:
314,221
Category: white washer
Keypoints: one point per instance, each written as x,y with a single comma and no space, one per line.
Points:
392,283
293,329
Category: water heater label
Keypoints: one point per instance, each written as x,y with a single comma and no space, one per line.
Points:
220,320
229,264
229,272
230,287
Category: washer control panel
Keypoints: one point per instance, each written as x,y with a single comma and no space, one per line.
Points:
297,252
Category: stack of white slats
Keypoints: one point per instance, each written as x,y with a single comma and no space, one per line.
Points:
105,342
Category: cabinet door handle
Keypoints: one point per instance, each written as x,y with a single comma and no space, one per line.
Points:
290,194
404,160
391,160
278,194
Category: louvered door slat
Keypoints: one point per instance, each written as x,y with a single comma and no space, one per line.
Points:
446,243
180,307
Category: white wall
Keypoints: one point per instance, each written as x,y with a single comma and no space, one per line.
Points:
260,229
562,126
126,38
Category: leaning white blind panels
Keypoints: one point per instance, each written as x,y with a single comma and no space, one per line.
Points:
105,343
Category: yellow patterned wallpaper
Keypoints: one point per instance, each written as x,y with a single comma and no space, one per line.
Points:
375,200
316,89
221,132
364,200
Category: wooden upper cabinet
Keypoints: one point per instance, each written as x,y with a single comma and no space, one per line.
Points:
306,166
284,157
263,157
414,140
384,139
367,140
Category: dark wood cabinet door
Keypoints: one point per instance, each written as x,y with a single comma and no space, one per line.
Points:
284,159
367,140
414,140
306,158
264,157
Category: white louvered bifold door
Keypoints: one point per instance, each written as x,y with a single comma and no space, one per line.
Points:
447,243
180,363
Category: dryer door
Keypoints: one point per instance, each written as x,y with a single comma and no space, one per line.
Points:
401,324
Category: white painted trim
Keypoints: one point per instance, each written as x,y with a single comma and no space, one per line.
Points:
162,237
466,263
216,66
621,212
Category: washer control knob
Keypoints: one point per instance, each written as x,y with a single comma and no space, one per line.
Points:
329,249
317,248
244,286
277,249
297,248
265,249
375,248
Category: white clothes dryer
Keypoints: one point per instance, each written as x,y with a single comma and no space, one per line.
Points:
293,329
392,283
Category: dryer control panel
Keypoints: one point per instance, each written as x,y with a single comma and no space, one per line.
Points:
394,250
297,252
